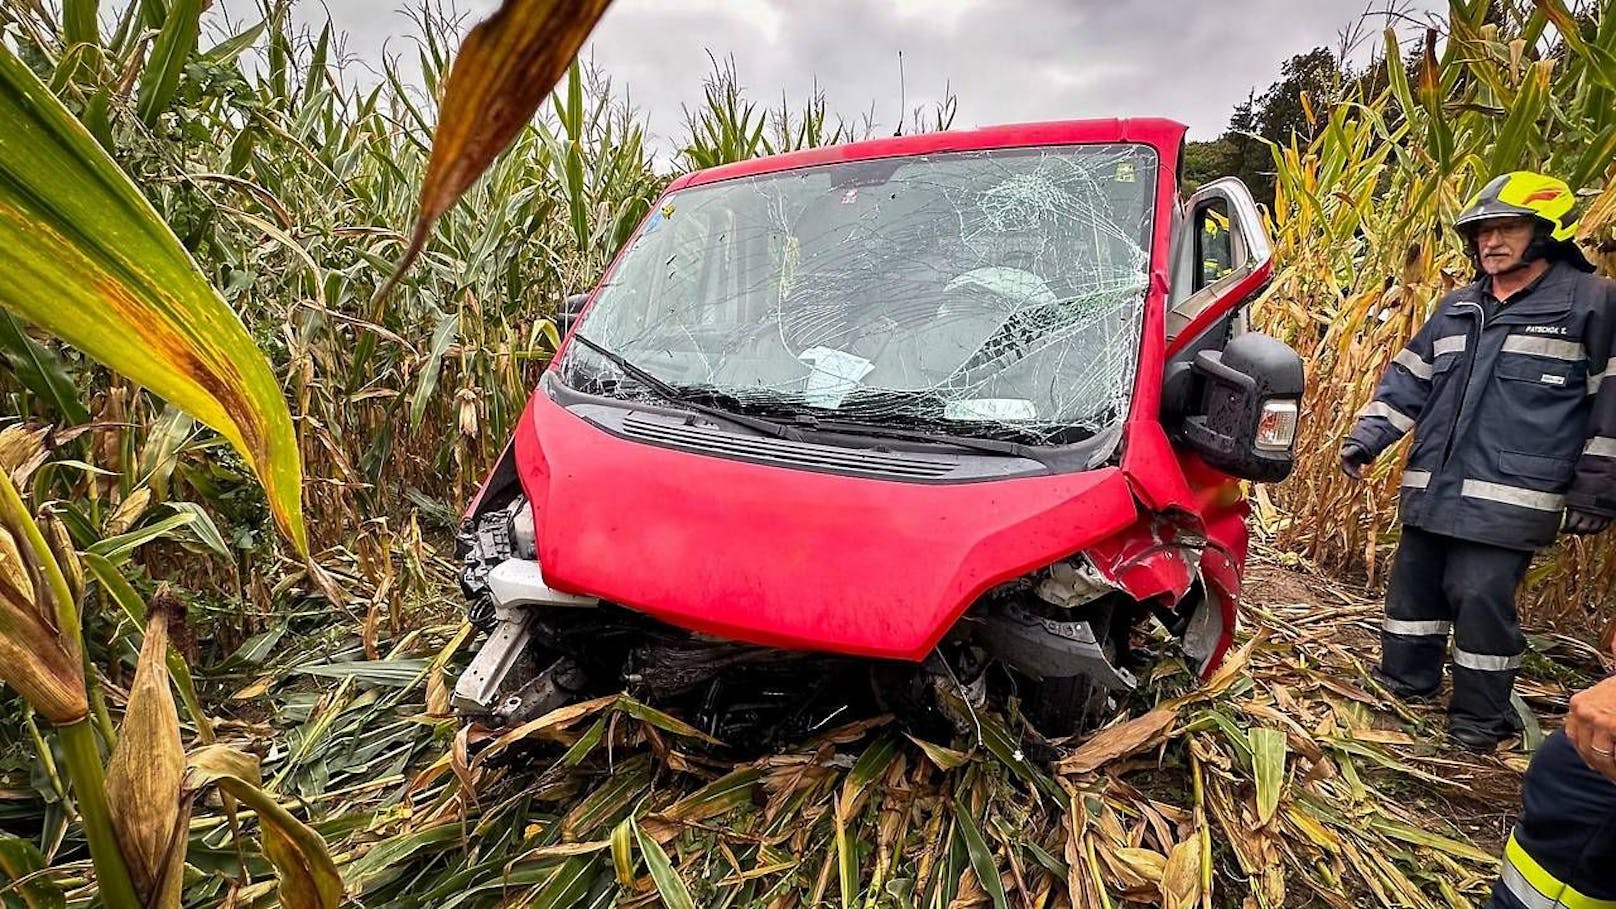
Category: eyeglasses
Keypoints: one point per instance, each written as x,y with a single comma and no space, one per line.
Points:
1502,226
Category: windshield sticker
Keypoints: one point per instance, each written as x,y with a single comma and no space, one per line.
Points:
835,374
990,409
993,293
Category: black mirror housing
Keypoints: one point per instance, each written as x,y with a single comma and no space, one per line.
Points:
1246,421
567,313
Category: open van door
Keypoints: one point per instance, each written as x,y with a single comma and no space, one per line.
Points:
1221,260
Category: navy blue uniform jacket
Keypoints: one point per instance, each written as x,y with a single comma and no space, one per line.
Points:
1513,410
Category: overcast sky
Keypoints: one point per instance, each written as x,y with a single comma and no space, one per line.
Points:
1006,60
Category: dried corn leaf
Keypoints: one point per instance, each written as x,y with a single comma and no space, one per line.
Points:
558,718
944,758
22,450
1135,868
507,65
1120,741
1181,876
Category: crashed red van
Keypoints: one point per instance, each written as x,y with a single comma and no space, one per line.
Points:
958,411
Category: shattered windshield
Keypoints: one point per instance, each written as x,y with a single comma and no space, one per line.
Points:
993,293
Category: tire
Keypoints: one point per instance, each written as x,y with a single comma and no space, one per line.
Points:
1066,706
1060,707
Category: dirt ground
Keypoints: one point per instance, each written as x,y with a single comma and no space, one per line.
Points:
1484,797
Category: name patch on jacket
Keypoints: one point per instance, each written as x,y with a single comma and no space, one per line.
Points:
1546,330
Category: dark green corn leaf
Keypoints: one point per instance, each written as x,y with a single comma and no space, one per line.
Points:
40,370
982,861
19,860
169,56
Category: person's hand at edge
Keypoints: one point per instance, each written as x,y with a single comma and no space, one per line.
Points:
1591,727
1584,522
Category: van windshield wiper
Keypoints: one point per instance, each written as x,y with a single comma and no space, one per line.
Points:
673,395
854,428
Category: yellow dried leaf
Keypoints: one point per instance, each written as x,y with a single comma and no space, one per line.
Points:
22,450
1145,866
129,510
555,719
1181,876
1119,741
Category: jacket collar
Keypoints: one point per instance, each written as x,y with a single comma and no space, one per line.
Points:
1548,297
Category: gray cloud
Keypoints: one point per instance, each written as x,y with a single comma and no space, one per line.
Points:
1006,60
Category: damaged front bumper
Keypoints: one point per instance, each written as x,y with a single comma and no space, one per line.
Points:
517,591
545,646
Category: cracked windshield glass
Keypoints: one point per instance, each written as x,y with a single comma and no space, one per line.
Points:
994,294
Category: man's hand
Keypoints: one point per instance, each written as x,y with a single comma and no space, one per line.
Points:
1354,458
1591,726
1583,522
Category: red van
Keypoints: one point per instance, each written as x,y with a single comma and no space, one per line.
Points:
963,409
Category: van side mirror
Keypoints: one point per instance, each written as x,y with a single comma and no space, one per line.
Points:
567,313
1245,420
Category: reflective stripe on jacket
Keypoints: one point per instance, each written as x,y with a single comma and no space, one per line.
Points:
1535,888
1513,418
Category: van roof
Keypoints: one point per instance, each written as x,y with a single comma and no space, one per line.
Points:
1165,135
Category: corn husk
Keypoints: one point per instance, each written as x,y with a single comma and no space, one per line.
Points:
34,659
147,767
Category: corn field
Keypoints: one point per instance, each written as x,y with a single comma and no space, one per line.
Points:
1360,217
220,692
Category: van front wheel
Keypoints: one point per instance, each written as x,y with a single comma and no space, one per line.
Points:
1059,707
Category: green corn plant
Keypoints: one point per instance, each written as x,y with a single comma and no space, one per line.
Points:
134,807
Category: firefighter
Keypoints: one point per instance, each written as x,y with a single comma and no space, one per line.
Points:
1514,439
1563,850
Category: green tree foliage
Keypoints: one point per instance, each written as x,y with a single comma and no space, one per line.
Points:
1289,108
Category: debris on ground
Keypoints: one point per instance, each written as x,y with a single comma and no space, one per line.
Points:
1289,779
